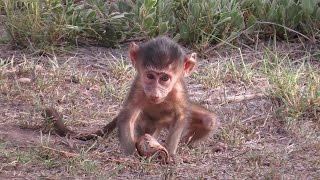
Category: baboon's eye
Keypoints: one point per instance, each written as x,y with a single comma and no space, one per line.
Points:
150,76
165,78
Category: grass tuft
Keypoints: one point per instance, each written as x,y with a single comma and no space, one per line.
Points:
294,87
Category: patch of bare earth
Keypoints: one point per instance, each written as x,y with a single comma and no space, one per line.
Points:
88,85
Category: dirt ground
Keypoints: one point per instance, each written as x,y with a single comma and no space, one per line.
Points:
250,144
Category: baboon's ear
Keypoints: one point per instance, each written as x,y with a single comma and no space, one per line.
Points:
133,53
189,63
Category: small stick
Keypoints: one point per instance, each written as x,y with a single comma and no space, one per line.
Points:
241,98
68,154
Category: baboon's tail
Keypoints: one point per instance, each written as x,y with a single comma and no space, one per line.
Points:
52,115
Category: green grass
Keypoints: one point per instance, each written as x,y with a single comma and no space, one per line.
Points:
46,26
50,26
294,86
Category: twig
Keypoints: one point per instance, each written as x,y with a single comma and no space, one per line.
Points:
132,40
289,29
68,154
134,162
257,22
241,98
237,155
